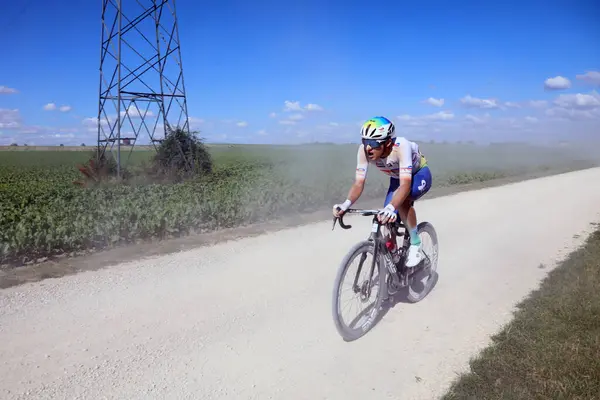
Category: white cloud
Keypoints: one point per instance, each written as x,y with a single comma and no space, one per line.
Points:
440,116
295,106
488,128
53,107
531,119
9,118
590,77
334,124
27,130
511,104
521,104
313,107
297,109
573,114
557,83
30,134
537,103
91,124
477,120
55,136
578,101
474,102
421,119
92,121
434,102
194,121
292,106
242,124
576,107
261,132
7,90
136,112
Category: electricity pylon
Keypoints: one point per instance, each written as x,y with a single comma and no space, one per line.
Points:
141,75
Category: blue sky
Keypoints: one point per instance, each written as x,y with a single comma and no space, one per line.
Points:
244,60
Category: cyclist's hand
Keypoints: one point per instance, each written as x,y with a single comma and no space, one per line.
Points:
337,210
340,209
388,214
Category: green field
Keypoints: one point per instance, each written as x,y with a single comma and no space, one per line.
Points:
43,213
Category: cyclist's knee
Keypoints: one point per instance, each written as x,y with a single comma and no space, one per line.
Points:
408,203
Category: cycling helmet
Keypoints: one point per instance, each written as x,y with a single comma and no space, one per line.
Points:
378,128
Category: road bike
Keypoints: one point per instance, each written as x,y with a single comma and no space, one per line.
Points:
392,273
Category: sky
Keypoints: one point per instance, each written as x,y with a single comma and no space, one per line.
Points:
289,72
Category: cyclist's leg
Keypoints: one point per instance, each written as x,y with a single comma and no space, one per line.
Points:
421,183
394,184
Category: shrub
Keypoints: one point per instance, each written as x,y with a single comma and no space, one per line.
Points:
181,155
100,168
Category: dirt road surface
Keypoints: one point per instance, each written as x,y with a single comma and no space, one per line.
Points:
250,319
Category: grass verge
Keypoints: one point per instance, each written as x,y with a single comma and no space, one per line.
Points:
551,349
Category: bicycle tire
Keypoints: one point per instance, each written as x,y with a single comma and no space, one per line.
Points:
426,227
345,332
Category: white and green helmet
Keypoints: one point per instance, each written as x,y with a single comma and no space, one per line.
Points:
378,128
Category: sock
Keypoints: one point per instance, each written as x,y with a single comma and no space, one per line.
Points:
415,240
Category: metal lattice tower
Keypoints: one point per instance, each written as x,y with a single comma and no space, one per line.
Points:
141,74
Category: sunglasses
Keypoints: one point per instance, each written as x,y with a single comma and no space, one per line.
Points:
374,143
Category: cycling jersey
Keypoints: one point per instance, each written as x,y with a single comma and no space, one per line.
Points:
404,161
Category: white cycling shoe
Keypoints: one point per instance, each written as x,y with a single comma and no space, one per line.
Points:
414,256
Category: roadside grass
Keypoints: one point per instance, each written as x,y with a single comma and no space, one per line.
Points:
551,349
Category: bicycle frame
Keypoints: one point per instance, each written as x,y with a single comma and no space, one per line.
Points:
398,276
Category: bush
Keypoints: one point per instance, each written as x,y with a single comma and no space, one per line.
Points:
181,155
100,168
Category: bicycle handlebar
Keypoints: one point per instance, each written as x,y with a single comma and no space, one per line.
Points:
340,219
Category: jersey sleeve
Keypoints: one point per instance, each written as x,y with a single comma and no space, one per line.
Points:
362,164
404,155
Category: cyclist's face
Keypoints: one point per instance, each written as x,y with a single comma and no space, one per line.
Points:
374,148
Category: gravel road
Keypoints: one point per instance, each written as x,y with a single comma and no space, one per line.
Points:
250,319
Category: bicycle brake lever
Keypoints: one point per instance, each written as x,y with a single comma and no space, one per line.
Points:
340,220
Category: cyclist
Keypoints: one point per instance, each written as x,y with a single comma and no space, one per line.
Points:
410,178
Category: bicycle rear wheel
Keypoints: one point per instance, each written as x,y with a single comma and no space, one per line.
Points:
418,290
363,287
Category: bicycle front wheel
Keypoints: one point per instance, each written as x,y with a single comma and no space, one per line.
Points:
367,282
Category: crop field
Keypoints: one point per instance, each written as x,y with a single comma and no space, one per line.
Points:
42,212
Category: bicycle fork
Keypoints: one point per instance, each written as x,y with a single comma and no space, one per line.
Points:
355,286
389,265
